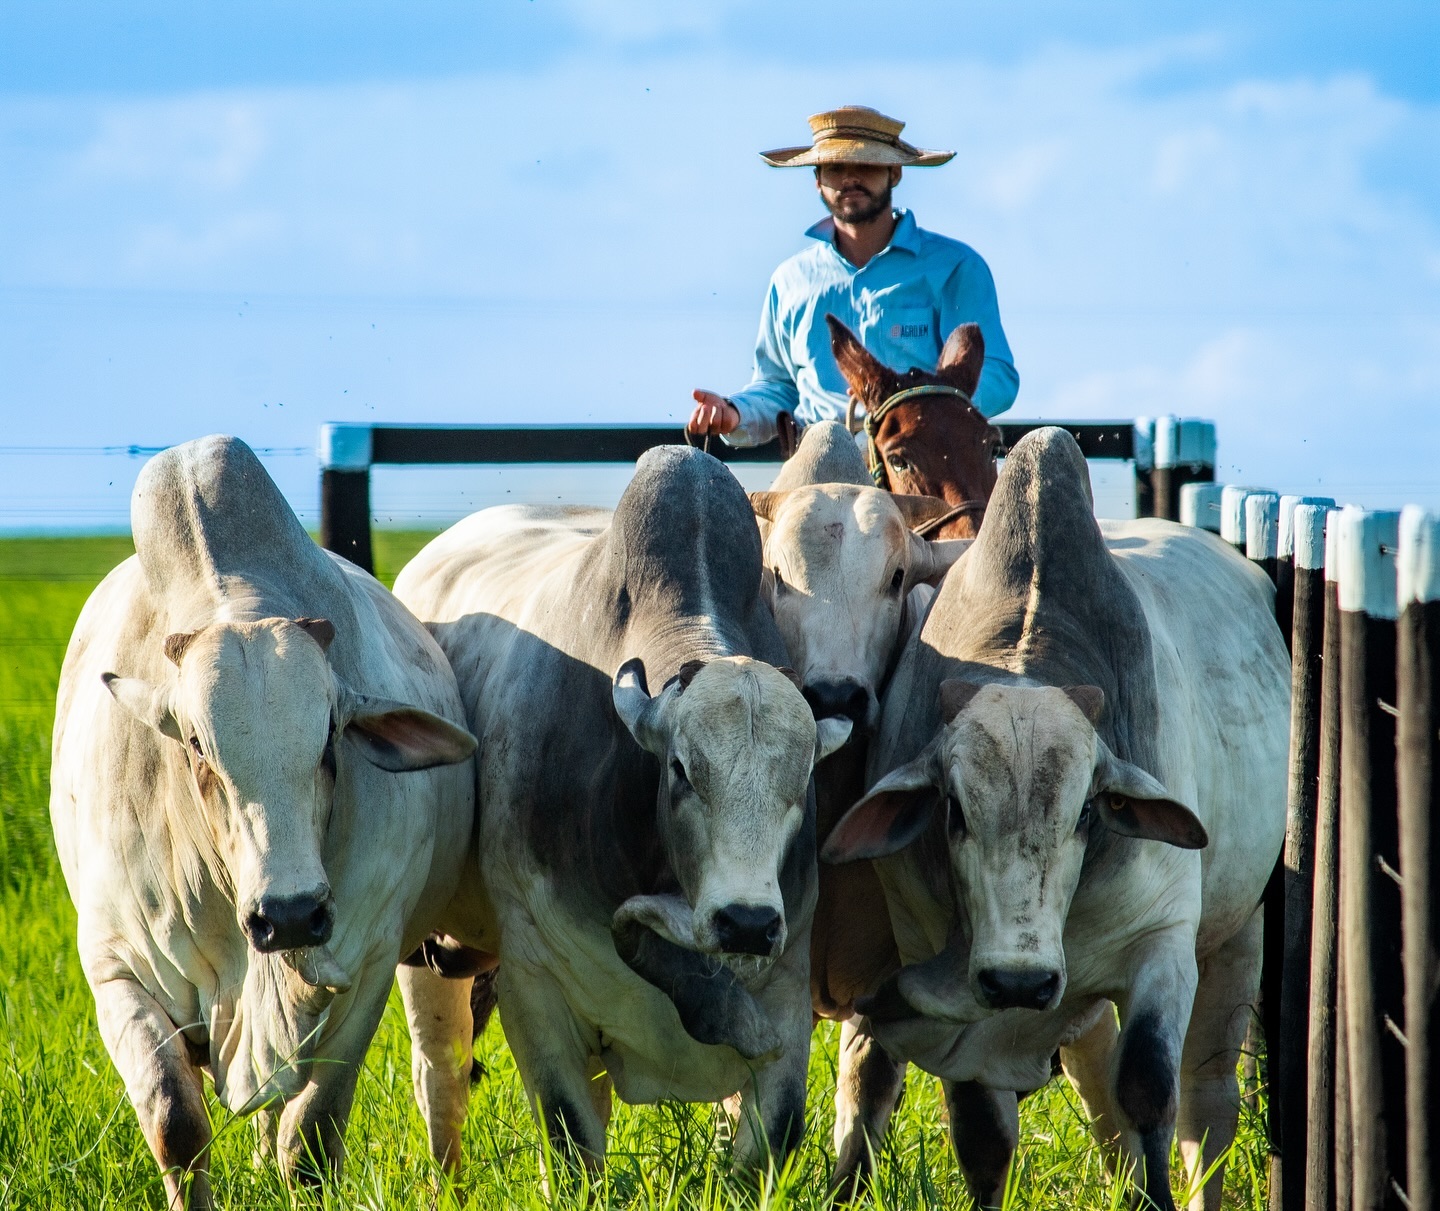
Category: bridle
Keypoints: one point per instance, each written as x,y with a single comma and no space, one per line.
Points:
878,470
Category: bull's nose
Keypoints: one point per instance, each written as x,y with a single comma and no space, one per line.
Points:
747,929
844,697
1022,988
290,922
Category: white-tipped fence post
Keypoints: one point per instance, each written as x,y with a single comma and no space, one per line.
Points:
1232,514
1285,558
1200,506
1327,1164
1307,542
1262,530
345,456
1370,859
1418,675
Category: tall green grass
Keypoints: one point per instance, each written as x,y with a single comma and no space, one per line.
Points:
69,1139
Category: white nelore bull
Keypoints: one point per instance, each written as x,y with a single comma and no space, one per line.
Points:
646,862
1080,776
248,848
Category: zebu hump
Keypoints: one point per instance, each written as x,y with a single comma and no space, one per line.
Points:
207,511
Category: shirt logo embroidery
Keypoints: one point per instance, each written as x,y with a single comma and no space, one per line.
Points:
900,331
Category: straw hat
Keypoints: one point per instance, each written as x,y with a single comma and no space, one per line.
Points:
855,134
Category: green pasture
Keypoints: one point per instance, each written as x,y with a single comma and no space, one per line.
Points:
68,1138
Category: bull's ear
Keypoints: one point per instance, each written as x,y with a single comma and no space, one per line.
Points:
955,695
1130,801
891,816
1089,698
830,735
175,645
144,701
929,561
766,504
321,630
633,704
397,737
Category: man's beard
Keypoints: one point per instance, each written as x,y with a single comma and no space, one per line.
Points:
854,210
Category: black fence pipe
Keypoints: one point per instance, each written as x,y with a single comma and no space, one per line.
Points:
1183,453
1321,1126
1307,551
1418,677
1370,860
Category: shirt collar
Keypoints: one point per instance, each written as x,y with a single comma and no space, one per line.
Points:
906,235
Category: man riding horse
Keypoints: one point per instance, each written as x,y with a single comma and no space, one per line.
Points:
900,288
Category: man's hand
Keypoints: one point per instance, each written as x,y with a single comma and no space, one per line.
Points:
713,414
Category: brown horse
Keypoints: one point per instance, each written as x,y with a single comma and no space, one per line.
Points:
926,436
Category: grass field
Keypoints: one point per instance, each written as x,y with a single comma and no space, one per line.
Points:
68,1138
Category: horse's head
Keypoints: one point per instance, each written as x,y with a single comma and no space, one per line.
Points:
930,443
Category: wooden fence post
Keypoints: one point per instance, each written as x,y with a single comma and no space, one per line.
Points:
1370,860
1418,675
1262,531
1285,558
1200,506
1232,514
1307,554
1327,1188
1184,454
345,492
1142,453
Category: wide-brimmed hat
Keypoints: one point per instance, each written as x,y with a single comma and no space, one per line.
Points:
855,134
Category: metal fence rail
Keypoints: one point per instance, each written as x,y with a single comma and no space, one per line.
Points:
1167,452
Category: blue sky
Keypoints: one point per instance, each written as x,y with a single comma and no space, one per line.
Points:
256,217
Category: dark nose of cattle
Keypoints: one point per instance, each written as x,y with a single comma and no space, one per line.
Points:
831,698
1022,989
743,929
290,922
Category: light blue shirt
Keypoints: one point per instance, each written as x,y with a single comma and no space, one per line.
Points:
902,305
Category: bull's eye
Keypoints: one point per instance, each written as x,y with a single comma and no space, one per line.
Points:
1087,814
679,771
955,819
897,463
196,749
897,580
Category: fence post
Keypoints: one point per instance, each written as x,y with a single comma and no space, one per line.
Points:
1143,455
1232,514
1184,453
1327,1107
1285,558
345,492
1200,506
1262,530
1307,550
1370,859
1418,675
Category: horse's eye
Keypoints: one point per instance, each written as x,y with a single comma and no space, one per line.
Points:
897,463
956,818
897,580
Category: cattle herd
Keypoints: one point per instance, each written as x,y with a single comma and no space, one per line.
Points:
667,784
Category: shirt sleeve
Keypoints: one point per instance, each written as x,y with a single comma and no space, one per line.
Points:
772,388
969,297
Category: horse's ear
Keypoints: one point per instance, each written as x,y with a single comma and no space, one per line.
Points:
870,381
962,359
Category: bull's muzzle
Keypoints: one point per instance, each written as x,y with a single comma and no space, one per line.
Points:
1017,987
748,929
841,698
290,922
